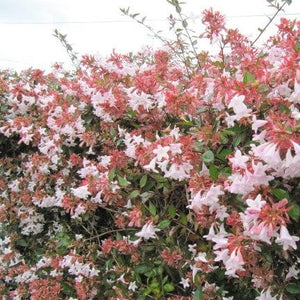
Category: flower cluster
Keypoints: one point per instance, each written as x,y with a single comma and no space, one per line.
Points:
137,177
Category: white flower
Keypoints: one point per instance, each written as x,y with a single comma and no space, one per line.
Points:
239,108
209,198
293,272
151,166
234,263
219,238
185,282
132,286
179,172
201,257
286,240
239,160
81,192
256,204
265,295
121,278
161,152
79,210
147,232
192,249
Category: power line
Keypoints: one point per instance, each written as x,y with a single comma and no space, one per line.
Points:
126,21
74,22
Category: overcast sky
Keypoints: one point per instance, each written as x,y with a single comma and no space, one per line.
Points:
97,26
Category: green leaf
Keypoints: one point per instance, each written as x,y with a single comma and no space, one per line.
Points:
123,181
154,284
281,194
112,174
223,154
293,288
152,209
172,211
159,178
143,181
213,172
297,46
142,269
294,213
134,194
237,140
248,77
163,224
198,294
208,156
199,145
284,109
21,242
183,219
169,287
146,196
184,23
68,289
112,131
263,88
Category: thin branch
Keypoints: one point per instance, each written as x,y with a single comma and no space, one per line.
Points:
108,232
68,47
269,23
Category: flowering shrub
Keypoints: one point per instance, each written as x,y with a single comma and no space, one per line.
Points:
138,177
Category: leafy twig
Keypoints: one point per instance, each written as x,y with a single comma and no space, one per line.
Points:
278,9
180,54
68,47
184,23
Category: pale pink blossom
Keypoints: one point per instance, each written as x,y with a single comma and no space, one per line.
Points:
81,192
161,152
151,166
256,204
208,198
179,171
239,160
79,210
234,263
201,256
220,238
239,108
292,273
265,295
148,232
286,240
185,282
132,286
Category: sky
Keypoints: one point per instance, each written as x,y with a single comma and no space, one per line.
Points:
96,27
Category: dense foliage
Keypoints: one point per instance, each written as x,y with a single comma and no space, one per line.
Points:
149,176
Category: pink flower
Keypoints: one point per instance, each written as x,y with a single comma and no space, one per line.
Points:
161,152
265,295
292,273
256,204
234,263
286,240
179,171
239,160
209,198
148,232
185,282
81,192
239,108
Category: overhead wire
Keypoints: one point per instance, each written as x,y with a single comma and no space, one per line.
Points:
127,20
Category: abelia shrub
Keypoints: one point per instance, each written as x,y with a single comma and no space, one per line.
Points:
138,177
